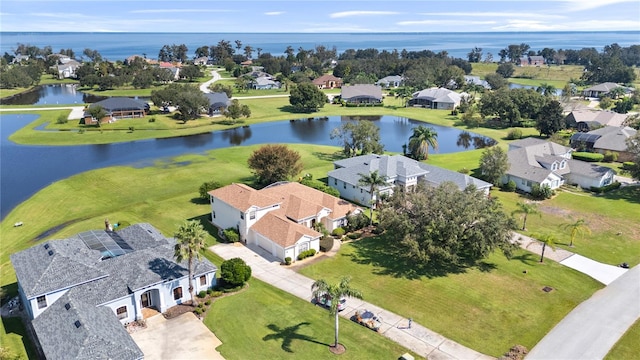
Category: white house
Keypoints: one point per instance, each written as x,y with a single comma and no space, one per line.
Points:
86,287
437,98
392,81
279,218
397,170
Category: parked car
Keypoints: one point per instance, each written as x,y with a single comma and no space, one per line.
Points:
325,300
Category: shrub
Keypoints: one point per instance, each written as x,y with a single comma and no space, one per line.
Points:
216,293
514,134
464,170
326,243
235,271
599,190
287,260
627,165
541,192
152,119
209,291
356,222
610,156
377,230
62,120
509,186
587,156
200,305
306,254
202,294
354,235
308,181
206,187
131,129
338,232
207,303
231,235
197,311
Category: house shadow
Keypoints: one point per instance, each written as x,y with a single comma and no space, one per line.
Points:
392,260
627,193
205,221
288,334
166,269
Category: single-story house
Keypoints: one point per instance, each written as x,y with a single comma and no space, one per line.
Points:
203,60
533,60
397,170
20,58
218,102
392,81
601,89
589,119
247,63
608,138
535,161
327,81
361,94
119,108
279,218
80,291
475,80
68,69
437,98
264,83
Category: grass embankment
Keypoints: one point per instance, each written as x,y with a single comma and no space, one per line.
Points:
628,347
489,308
281,326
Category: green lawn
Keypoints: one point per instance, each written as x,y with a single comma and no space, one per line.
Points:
15,340
277,325
628,347
489,308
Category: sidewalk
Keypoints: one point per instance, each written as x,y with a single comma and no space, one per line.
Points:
418,338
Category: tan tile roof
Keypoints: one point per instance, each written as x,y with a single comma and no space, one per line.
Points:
242,197
281,230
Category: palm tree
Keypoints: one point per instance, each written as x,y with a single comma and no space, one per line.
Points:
335,292
189,242
546,240
526,209
420,140
577,228
373,180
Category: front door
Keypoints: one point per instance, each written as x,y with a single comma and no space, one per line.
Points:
146,299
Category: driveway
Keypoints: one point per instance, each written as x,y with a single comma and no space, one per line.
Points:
183,337
418,339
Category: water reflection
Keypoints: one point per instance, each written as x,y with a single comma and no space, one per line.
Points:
56,94
237,136
465,140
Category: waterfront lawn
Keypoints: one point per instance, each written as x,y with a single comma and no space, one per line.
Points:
283,326
488,308
628,347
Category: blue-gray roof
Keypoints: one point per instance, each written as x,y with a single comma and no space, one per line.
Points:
121,103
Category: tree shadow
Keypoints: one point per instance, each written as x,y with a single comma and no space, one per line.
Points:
486,267
205,221
15,325
389,259
199,201
166,269
627,193
329,157
527,258
288,334
293,110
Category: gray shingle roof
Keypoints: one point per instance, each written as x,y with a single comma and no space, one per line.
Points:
588,169
361,91
438,95
83,331
121,103
612,138
218,99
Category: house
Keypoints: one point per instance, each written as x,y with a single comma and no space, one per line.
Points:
533,60
246,63
80,291
203,60
602,140
361,94
392,81
589,119
175,69
475,80
327,81
20,58
279,218
535,161
68,69
118,108
218,102
265,83
600,89
436,98
397,170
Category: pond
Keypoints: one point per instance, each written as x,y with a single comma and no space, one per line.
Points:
25,169
57,94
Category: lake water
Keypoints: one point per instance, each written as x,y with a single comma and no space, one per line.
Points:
58,94
25,169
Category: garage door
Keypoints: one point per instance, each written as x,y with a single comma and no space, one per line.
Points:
265,244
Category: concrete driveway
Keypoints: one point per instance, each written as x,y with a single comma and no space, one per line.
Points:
183,337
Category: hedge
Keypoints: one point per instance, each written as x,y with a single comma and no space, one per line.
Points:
587,156
627,165
604,189
306,254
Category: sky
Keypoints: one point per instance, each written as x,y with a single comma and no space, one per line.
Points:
312,16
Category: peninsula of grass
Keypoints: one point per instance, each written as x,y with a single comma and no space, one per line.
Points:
628,347
282,326
488,308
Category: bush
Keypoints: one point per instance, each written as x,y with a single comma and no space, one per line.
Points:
207,303
610,156
541,192
216,293
464,171
287,260
197,311
152,119
514,134
202,294
209,291
235,271
599,190
338,232
308,181
627,165
356,222
354,235
206,187
306,254
231,235
587,156
62,120
326,243
509,186
377,230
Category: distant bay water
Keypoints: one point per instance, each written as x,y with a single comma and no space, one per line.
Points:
118,46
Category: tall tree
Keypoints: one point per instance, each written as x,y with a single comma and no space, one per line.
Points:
97,112
494,163
237,110
335,292
633,147
546,240
359,136
475,56
373,181
190,241
420,140
273,163
579,227
307,97
526,209
550,119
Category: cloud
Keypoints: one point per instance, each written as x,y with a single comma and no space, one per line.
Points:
580,5
495,14
587,25
528,25
171,11
274,13
361,13
445,22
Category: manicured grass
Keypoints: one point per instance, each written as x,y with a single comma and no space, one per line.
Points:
128,91
276,325
556,75
15,339
489,308
628,347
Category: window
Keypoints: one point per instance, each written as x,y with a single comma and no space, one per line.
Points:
554,166
121,312
345,185
242,215
203,280
42,301
563,164
360,190
252,214
177,293
335,181
213,214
